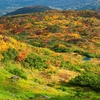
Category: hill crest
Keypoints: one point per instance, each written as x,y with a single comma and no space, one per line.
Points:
30,9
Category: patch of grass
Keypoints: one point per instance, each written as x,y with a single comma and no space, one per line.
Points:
13,69
70,66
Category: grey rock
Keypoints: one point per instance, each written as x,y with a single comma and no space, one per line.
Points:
14,77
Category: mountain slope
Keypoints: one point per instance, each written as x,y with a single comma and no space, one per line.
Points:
81,28
45,56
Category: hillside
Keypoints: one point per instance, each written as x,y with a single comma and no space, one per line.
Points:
52,55
71,29
30,9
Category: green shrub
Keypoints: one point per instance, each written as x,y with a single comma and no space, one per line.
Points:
60,48
54,28
10,54
63,88
19,72
87,79
36,61
87,54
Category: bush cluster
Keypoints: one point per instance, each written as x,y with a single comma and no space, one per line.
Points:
10,54
87,54
19,72
54,28
36,61
60,48
87,79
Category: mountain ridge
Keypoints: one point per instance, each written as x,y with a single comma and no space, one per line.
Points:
30,9
12,5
